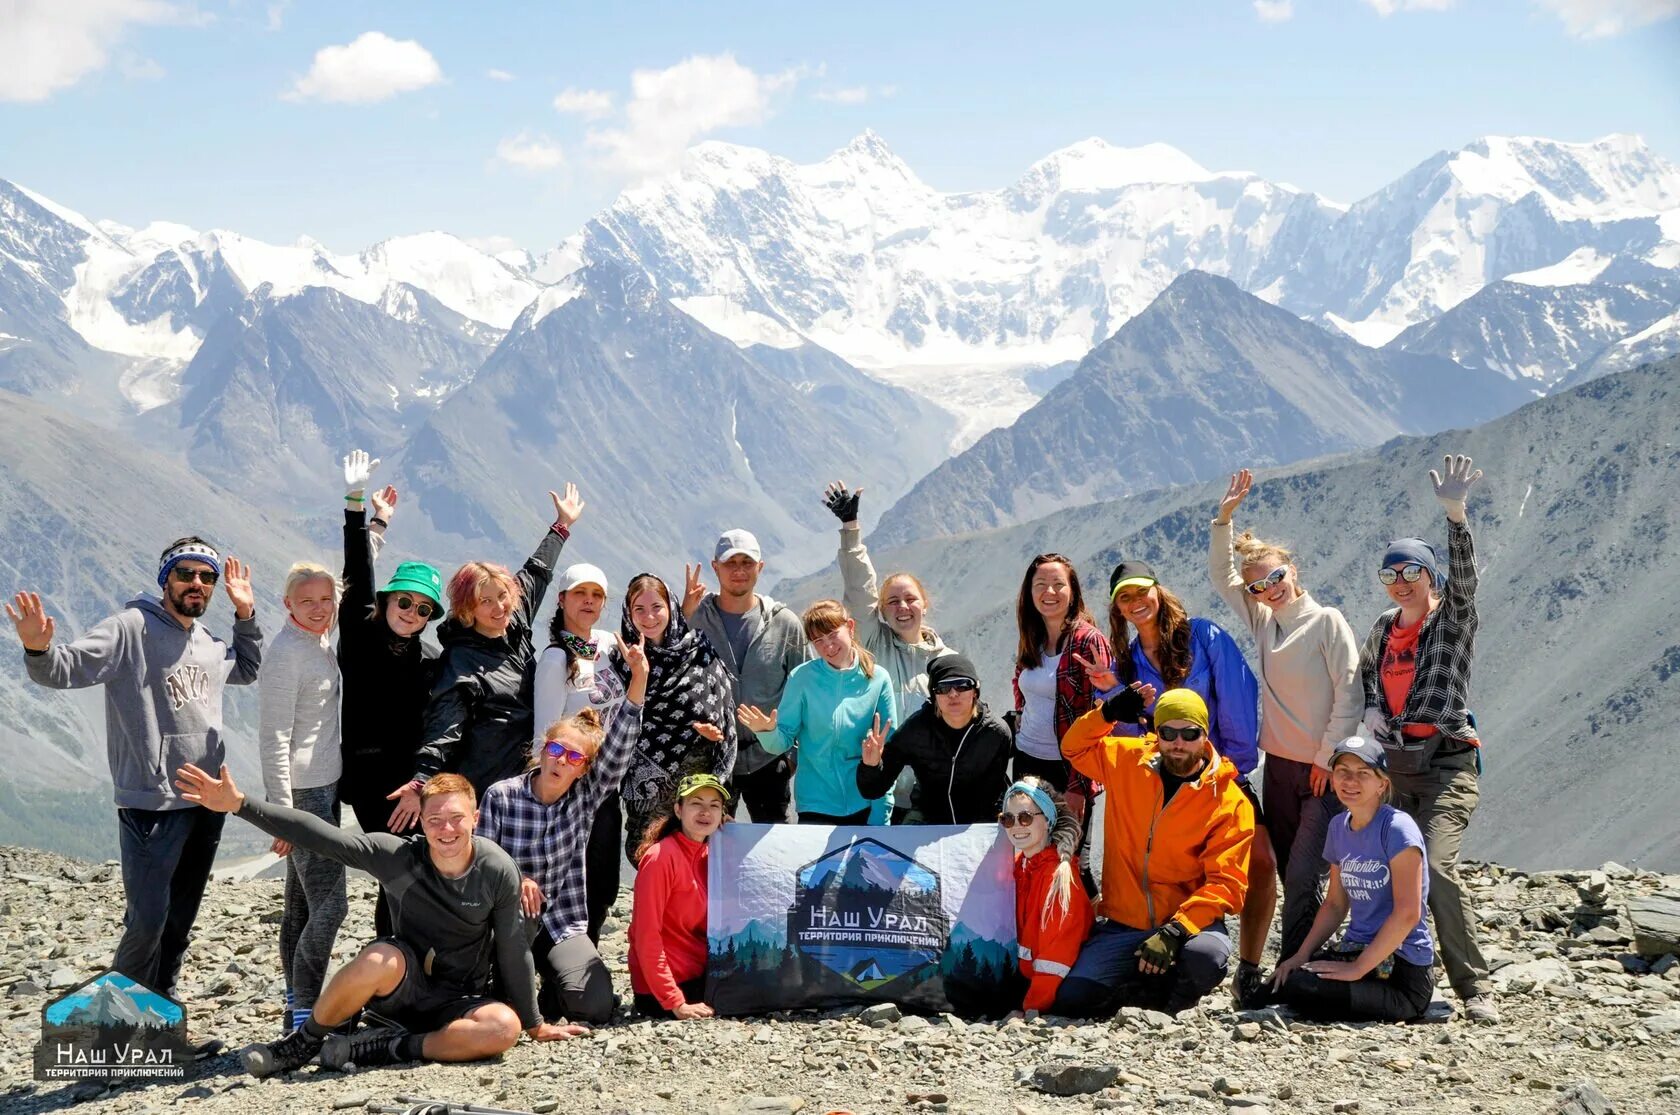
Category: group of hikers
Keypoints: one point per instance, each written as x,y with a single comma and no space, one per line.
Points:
523,769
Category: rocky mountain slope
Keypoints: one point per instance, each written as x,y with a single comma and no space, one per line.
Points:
1589,1028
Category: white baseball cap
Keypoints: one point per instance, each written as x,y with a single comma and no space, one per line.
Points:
583,574
732,542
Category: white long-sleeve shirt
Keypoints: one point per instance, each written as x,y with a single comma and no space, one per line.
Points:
298,731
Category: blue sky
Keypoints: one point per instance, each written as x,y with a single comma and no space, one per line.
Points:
221,113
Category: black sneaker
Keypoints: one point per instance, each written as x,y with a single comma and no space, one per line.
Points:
1249,987
364,1050
293,1051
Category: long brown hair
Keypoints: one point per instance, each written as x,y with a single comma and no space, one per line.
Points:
1172,623
827,616
1029,648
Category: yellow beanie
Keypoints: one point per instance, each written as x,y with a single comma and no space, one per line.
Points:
1182,704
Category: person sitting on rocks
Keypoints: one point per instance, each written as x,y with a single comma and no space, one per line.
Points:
1379,881
1176,836
543,819
668,916
1052,911
455,905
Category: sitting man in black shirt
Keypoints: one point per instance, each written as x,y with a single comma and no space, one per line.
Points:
454,905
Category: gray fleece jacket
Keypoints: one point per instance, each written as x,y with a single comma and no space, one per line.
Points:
163,693
775,645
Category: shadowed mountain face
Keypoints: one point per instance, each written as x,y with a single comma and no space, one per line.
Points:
1577,675
1206,375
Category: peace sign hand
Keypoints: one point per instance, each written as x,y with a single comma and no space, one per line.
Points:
693,591
1101,677
635,657
34,625
1241,481
1454,489
875,742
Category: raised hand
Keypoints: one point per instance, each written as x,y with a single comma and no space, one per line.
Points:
875,742
34,625
635,657
357,469
385,503
693,591
236,578
707,731
756,719
1241,481
219,795
407,812
1101,677
567,510
530,897
842,502
1453,488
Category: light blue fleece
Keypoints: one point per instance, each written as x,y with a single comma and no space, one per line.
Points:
827,713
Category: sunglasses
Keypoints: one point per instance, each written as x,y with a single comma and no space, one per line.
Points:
572,755
409,604
188,576
953,687
1023,818
1411,573
1171,734
1270,580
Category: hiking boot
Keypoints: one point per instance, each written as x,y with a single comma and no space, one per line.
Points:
1481,1008
1248,988
293,1051
364,1050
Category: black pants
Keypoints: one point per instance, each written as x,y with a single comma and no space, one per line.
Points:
573,981
767,792
600,862
1298,821
166,859
861,817
694,991
1403,996
373,814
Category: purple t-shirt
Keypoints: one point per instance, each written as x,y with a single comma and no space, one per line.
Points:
1363,857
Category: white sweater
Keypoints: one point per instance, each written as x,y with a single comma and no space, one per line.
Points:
1310,694
298,733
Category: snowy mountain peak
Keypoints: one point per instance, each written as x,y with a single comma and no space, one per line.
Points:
866,158
1095,164
1617,175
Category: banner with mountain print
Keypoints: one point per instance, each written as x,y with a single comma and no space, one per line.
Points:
819,916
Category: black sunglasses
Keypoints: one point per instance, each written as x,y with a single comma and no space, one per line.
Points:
963,686
188,576
407,603
1023,818
1275,577
1171,734
1411,573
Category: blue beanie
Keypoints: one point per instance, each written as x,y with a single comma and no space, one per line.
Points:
1415,549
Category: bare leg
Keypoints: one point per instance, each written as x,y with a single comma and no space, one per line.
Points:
377,970
484,1031
1261,902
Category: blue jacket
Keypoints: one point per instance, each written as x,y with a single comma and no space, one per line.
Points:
1220,673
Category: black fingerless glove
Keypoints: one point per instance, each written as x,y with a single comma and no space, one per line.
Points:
844,503
1125,707
1161,947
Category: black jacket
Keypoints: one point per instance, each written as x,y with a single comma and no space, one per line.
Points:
387,679
479,720
961,774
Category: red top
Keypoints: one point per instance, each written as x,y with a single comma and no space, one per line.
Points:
1049,940
668,920
1399,667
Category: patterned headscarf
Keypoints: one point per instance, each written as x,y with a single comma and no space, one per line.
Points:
687,681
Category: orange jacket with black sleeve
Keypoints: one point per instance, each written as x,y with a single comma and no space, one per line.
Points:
1187,862
1048,937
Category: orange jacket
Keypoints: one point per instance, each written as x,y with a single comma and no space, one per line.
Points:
1049,940
1187,862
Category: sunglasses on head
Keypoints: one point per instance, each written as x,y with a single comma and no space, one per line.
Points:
558,750
423,608
962,686
1411,573
1270,580
1171,734
1023,818
188,576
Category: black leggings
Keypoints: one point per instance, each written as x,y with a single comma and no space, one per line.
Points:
694,991
1403,996
600,860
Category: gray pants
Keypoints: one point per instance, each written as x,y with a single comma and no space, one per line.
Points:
315,905
1298,822
1441,801
574,981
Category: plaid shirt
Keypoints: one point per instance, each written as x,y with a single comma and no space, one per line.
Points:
548,841
1440,693
1074,692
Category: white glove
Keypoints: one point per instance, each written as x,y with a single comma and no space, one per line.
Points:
1454,489
357,470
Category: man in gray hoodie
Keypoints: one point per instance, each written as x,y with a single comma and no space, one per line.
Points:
761,641
163,674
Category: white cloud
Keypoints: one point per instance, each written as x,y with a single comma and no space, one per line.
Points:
851,95
669,109
1274,11
52,44
529,152
498,75
591,104
1389,7
372,67
1598,19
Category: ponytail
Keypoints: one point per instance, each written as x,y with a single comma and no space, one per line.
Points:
866,660
1064,838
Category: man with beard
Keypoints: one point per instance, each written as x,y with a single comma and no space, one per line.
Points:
163,674
1177,831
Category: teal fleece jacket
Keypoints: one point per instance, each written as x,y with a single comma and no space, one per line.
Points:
827,713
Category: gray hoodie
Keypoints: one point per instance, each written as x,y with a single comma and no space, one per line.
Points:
775,645
163,693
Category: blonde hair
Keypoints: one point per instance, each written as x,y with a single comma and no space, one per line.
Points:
585,725
1064,837
302,572
828,616
466,588
881,596
1248,550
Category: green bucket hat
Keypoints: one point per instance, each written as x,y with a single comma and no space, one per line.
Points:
417,577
